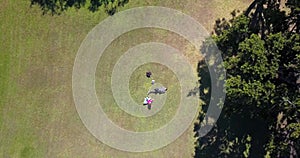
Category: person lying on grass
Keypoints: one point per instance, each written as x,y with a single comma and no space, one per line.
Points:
161,90
148,101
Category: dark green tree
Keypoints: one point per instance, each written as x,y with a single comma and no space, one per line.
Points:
261,50
58,6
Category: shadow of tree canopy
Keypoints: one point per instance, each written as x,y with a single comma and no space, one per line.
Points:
234,132
56,7
228,137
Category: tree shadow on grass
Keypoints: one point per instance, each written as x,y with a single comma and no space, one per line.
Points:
228,138
56,7
235,134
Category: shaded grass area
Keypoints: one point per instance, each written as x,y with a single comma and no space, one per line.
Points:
227,139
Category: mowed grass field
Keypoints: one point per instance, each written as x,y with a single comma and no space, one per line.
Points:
37,112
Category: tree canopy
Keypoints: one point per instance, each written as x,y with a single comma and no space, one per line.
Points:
58,6
261,53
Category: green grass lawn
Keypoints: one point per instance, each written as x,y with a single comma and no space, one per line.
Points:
38,116
139,86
